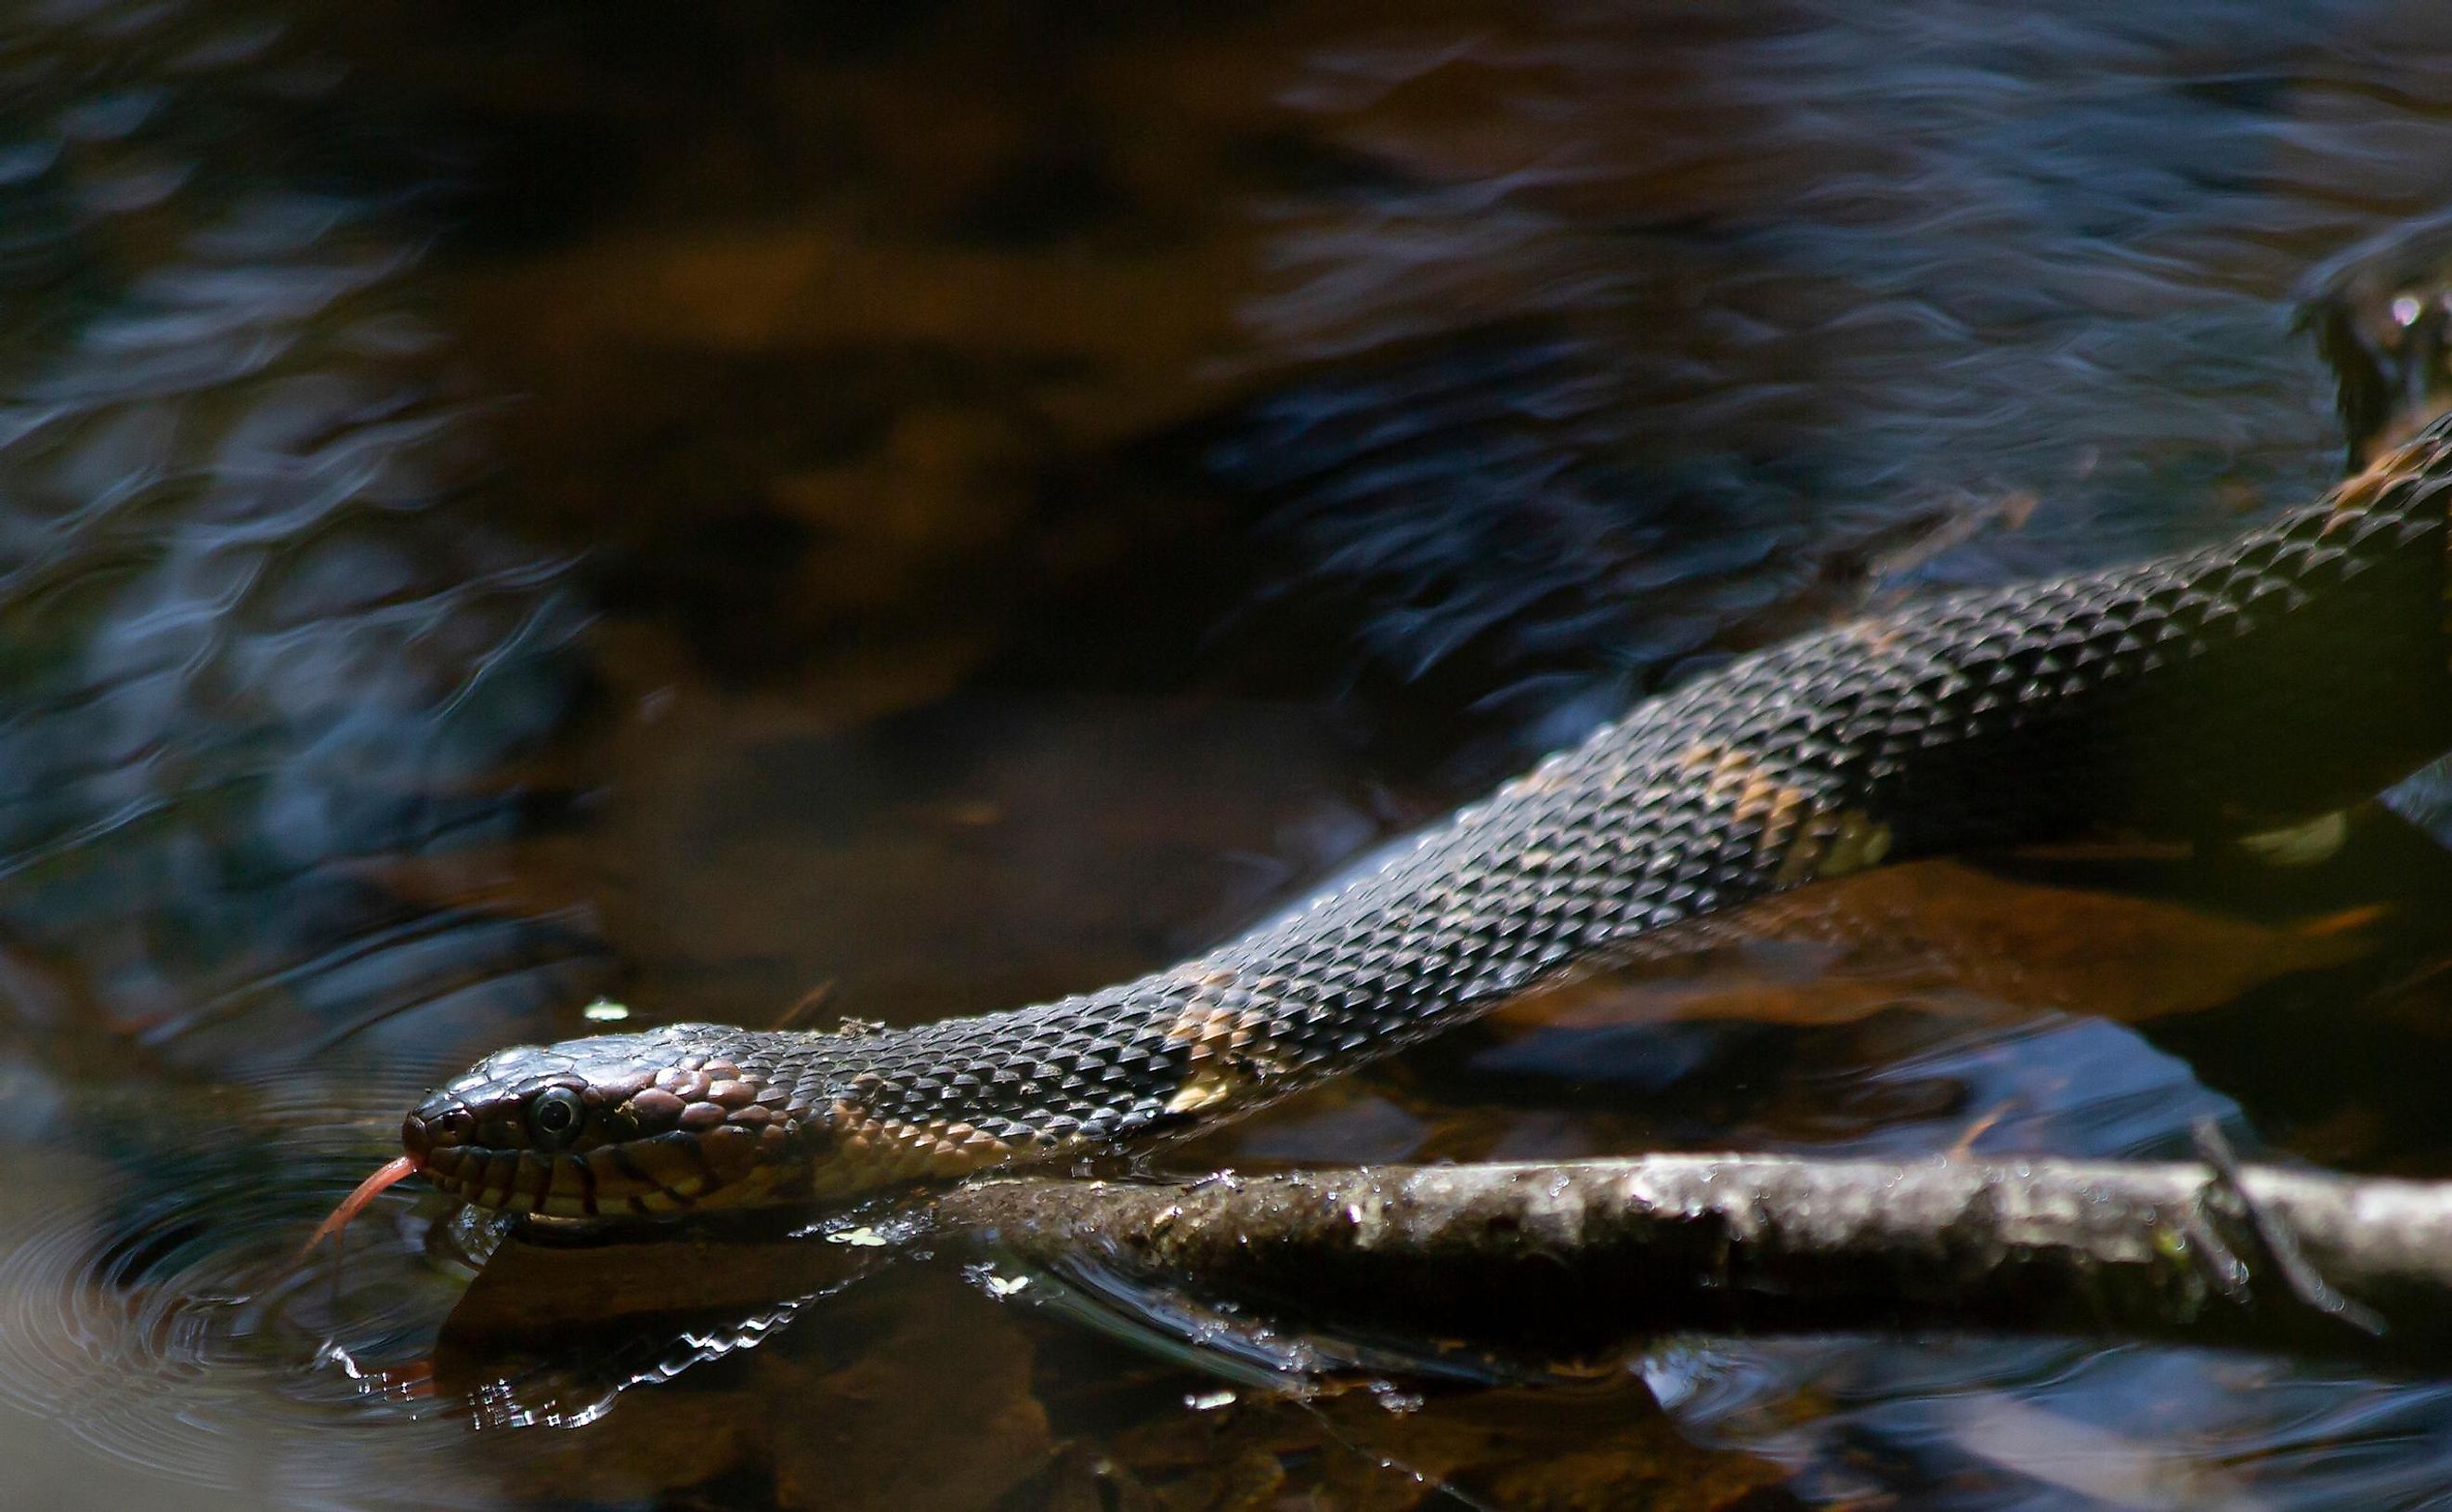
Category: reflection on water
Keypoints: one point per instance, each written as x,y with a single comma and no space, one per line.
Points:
152,1305
966,504
250,665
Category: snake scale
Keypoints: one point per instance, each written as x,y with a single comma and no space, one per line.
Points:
2302,665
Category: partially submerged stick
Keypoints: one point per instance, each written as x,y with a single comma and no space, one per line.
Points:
1584,1257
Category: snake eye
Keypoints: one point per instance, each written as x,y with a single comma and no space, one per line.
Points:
554,1116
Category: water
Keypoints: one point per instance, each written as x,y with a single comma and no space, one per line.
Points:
964,503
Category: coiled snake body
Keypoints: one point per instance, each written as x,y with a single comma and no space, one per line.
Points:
2300,666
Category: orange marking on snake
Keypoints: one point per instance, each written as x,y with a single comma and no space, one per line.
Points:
871,1151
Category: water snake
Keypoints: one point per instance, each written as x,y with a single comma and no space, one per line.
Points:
2299,666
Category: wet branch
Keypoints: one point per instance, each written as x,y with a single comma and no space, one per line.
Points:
1588,1257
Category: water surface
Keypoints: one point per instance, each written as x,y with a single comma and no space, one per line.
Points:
499,508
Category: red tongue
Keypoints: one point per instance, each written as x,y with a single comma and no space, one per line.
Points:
355,1203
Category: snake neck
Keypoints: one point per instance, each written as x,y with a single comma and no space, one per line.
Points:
2298,667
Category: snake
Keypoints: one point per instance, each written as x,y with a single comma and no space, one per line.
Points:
2299,667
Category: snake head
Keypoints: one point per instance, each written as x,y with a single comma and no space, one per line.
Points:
649,1124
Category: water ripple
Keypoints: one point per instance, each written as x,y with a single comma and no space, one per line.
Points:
153,1303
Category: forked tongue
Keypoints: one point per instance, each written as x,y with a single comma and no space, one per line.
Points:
355,1203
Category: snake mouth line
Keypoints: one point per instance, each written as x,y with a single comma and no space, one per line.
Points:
496,1183
608,1182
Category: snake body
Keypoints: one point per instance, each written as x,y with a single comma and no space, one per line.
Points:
2300,666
